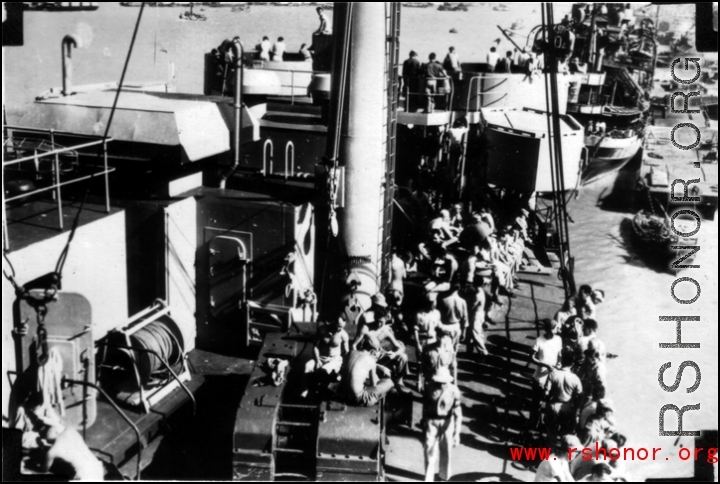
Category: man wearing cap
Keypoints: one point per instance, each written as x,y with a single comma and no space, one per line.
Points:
439,354
453,314
546,354
442,422
374,334
426,322
361,381
564,394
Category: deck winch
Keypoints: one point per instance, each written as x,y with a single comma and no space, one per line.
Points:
144,360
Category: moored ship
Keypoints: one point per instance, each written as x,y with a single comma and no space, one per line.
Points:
613,61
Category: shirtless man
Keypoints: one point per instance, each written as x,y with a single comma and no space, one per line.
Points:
377,337
454,314
324,28
331,346
362,383
443,269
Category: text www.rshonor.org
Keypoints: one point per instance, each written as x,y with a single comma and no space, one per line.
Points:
626,453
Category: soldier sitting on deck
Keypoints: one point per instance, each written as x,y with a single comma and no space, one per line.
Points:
442,271
375,335
331,345
361,381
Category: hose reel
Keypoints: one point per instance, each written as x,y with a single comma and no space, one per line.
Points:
144,360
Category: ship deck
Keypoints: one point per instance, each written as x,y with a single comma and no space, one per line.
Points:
495,390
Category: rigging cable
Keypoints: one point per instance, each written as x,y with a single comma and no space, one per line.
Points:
338,90
554,141
63,255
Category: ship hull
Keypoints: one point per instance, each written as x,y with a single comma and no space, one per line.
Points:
608,156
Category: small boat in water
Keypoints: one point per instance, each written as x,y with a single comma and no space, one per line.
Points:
452,7
653,231
609,92
189,15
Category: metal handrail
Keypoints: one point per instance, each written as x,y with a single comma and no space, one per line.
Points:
272,155
480,93
57,183
54,186
289,148
448,94
292,78
53,152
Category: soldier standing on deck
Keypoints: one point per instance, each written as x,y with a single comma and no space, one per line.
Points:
442,422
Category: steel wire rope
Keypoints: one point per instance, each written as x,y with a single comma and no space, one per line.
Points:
550,94
337,116
63,255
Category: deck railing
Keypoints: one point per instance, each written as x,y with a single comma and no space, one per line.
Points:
57,183
260,66
423,93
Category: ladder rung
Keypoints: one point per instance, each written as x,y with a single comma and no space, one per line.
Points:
295,424
290,451
295,405
291,474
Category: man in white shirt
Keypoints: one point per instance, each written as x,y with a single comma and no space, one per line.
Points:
265,49
278,51
452,61
492,59
546,354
